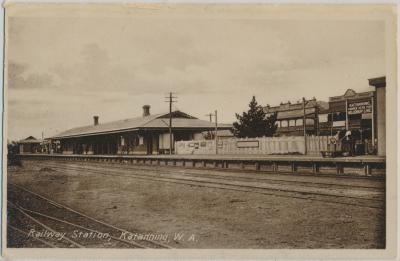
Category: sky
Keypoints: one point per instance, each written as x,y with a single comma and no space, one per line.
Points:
64,70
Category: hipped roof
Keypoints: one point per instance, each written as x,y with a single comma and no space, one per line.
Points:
180,120
29,140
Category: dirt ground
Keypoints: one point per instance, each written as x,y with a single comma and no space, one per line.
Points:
206,217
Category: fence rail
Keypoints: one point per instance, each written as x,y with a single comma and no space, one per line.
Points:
263,145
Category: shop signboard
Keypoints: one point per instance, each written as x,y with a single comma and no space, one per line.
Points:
359,107
338,123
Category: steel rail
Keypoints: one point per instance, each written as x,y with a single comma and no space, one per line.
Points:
43,225
79,226
157,177
35,238
237,188
226,177
52,202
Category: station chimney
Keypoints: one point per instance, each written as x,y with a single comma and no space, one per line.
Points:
146,110
96,120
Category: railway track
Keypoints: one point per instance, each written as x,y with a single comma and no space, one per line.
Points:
336,177
334,188
21,237
29,212
228,175
280,191
26,225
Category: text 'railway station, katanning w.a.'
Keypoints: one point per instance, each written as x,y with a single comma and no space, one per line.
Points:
363,114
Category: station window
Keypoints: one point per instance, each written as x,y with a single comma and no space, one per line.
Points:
292,123
284,123
299,122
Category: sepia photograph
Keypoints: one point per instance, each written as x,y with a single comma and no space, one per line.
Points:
173,127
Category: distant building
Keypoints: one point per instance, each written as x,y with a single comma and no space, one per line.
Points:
290,117
350,111
148,134
29,145
362,113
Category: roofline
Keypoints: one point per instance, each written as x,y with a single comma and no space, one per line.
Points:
156,116
308,106
343,99
29,142
137,129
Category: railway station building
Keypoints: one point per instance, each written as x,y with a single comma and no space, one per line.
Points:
148,134
29,145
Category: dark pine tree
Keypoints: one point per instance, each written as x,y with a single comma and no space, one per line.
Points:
254,122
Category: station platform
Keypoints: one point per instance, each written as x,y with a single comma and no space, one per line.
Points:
364,158
358,165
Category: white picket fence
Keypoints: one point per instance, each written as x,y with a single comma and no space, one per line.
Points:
263,145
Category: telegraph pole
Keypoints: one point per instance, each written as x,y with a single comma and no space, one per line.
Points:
42,144
216,133
215,129
317,118
170,100
347,116
170,123
210,115
304,126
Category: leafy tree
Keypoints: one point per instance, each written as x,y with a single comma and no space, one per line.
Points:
209,135
12,152
254,122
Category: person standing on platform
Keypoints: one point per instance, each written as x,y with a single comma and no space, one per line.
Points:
349,142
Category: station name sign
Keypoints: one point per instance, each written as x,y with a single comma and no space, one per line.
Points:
359,107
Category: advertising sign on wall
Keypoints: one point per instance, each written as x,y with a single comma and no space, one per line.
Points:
359,107
247,144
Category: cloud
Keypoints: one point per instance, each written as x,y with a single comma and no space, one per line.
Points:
111,66
97,72
19,77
